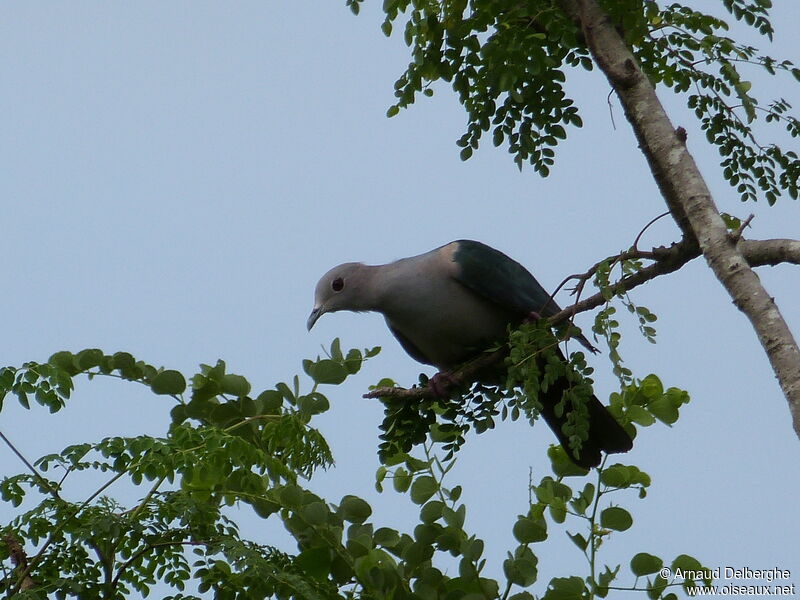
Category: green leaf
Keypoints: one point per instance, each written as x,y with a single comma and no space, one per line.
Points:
423,489
558,510
402,480
731,223
454,518
313,403
605,579
386,537
416,553
623,476
664,410
336,350
578,540
566,588
427,533
315,513
168,382
354,509
291,496
657,587
315,562
639,415
414,464
380,475
472,549
449,540
352,363
454,494
561,464
325,371
520,572
527,530
65,361
684,562
270,401
234,385
617,518
86,359
644,564
431,511
651,387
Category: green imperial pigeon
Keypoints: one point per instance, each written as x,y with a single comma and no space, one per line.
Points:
449,304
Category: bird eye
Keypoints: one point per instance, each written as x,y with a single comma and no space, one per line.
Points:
337,285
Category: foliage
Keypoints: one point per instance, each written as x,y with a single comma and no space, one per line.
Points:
507,62
229,447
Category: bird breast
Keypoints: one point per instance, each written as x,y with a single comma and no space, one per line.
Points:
446,322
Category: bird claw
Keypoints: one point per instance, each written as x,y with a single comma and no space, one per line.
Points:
440,383
533,316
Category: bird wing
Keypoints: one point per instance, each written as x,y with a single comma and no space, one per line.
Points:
501,280
504,282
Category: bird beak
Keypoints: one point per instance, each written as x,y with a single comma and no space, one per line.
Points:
315,314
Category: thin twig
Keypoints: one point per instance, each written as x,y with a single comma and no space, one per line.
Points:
646,227
737,235
50,489
611,109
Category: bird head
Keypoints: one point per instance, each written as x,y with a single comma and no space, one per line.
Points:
342,288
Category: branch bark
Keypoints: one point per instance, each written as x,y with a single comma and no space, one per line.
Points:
759,253
687,194
20,559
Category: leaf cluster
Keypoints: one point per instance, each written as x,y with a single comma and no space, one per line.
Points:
560,499
225,447
534,367
607,326
229,447
689,52
507,63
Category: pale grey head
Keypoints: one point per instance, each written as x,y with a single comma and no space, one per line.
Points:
345,287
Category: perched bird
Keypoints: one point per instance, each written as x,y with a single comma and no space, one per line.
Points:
449,304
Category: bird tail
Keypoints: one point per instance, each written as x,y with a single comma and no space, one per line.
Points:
605,433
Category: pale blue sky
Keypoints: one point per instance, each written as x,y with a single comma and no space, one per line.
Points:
175,177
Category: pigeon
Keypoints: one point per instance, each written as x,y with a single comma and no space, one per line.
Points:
448,305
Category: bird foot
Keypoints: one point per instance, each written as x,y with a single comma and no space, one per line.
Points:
533,316
440,384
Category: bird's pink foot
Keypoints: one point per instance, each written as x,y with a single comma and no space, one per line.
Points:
533,316
441,383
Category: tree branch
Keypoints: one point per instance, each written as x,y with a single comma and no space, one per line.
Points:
760,253
42,481
463,374
687,194
667,260
17,554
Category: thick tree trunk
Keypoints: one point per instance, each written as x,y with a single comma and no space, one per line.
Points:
687,195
